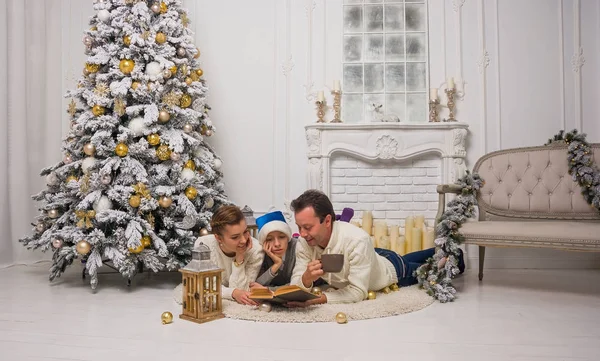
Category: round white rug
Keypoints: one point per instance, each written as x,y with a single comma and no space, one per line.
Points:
405,300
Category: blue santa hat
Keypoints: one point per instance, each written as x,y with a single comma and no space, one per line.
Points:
269,222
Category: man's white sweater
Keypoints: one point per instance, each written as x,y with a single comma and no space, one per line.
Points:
234,276
363,271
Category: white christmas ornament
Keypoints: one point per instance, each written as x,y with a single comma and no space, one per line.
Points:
187,174
102,204
218,163
137,126
87,164
51,179
153,69
201,153
104,15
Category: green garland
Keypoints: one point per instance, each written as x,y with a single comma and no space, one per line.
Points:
581,166
435,275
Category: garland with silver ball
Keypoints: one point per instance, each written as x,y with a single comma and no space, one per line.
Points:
435,276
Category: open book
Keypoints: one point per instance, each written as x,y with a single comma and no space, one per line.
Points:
282,295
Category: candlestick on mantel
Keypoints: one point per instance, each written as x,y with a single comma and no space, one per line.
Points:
433,94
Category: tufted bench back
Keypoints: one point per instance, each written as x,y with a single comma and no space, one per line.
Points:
532,183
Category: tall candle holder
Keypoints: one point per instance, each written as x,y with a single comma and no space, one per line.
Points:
337,105
433,112
320,110
450,94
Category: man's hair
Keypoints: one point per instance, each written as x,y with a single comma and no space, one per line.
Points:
319,202
225,216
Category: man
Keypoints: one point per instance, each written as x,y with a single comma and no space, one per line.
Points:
365,268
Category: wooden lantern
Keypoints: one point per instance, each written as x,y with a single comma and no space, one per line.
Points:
202,300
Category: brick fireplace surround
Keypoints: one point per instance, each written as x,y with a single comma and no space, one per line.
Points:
391,169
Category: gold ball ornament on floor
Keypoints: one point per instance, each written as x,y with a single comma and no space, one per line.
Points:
191,193
135,201
265,307
153,139
386,290
92,68
98,110
341,318
83,247
186,101
163,152
126,66
190,164
127,40
371,295
121,149
164,116
316,291
146,241
165,201
89,149
166,318
137,249
160,38
394,287
203,232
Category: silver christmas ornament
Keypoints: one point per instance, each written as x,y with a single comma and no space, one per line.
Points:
209,133
106,179
57,243
67,159
87,41
265,307
155,8
166,73
210,202
188,128
181,52
86,72
218,163
40,227
53,213
175,157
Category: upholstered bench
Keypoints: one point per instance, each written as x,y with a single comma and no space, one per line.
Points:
529,200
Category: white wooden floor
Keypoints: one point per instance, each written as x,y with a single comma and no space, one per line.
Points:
512,315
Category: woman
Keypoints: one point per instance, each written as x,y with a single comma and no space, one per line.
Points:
235,251
275,237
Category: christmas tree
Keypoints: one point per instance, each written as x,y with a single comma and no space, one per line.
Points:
138,183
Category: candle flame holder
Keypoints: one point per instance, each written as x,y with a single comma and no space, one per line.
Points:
451,105
320,111
433,112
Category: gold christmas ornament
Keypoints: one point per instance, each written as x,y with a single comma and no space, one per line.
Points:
137,249
135,85
92,68
160,38
341,318
371,295
121,149
200,72
191,193
184,19
197,55
394,287
386,290
71,178
190,164
166,318
127,40
135,200
266,307
146,241
171,99
89,149
163,152
316,291
165,201
85,218
126,66
188,81
101,90
164,116
173,69
184,69
83,247
186,101
163,7
188,128
72,108
119,107
203,232
194,76
153,139
98,110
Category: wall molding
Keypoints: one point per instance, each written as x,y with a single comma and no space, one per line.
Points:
498,96
561,43
483,77
309,86
577,61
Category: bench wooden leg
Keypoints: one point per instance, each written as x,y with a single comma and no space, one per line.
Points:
481,259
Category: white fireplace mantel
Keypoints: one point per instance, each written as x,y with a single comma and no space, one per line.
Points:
384,142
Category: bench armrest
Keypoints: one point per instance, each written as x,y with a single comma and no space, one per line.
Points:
442,189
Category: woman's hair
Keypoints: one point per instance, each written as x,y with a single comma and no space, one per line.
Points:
225,216
319,202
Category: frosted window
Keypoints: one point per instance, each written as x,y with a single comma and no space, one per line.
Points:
385,60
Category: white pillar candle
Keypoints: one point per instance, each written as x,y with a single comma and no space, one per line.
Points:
367,222
433,94
429,238
394,237
320,96
419,221
450,83
409,224
416,240
401,246
336,85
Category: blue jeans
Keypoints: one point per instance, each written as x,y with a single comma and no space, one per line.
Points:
406,265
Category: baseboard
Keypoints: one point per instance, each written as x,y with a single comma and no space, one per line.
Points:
537,258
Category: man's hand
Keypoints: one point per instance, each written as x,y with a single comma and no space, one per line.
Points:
316,301
243,297
313,272
256,286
